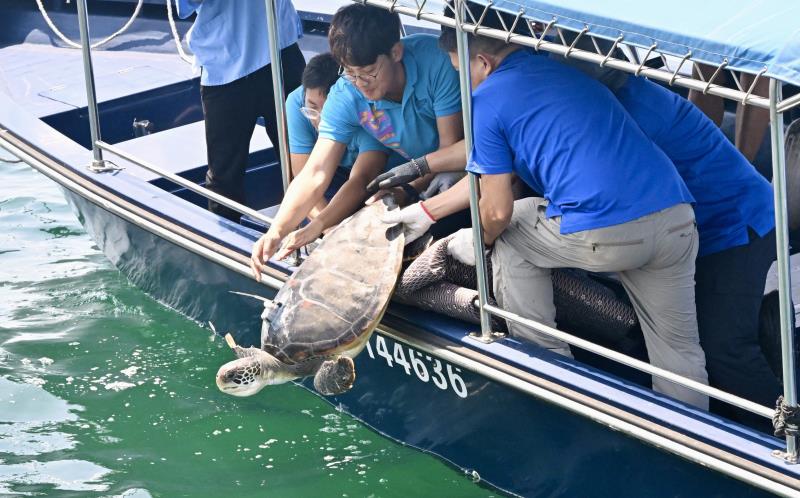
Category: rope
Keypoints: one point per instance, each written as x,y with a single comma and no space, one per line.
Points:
72,44
786,419
10,160
175,36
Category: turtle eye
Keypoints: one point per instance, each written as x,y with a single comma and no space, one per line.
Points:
231,376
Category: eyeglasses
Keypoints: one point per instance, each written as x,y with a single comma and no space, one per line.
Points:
365,78
309,112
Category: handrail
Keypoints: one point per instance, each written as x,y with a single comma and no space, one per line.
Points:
634,363
187,184
474,187
773,103
278,94
784,276
672,78
91,96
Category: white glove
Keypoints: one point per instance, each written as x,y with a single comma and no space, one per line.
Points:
414,219
461,248
440,183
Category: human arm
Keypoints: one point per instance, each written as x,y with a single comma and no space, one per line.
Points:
298,161
346,201
496,205
419,217
303,193
450,158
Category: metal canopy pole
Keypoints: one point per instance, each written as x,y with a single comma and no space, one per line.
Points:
784,277
91,99
474,188
280,98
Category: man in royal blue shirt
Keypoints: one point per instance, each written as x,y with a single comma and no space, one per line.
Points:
230,45
612,201
735,220
403,92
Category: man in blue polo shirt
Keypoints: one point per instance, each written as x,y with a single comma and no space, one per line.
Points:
735,219
403,92
612,201
230,45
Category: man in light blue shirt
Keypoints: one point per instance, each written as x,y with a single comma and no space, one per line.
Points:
403,92
365,157
230,44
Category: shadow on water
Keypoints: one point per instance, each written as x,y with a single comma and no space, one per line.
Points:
104,392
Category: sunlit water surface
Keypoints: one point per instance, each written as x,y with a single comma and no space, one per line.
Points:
104,392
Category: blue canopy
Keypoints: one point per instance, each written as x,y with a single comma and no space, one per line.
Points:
752,35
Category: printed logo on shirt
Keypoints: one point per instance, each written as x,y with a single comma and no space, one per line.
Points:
378,123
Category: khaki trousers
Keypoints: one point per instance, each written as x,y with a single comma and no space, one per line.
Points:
654,257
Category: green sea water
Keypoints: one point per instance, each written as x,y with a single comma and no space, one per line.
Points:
105,392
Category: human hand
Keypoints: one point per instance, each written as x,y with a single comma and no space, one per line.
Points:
300,237
414,219
263,249
460,247
400,175
440,183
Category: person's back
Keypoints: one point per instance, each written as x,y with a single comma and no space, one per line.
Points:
730,195
574,143
735,220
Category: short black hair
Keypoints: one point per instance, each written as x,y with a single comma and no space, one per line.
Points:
321,72
359,33
447,40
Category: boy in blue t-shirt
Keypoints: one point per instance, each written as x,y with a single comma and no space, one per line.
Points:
403,92
364,159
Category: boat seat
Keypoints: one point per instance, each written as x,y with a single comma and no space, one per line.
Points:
181,150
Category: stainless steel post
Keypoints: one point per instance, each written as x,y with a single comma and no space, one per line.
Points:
88,74
784,277
280,98
474,188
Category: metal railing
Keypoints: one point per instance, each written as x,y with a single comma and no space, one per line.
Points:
187,184
98,164
538,42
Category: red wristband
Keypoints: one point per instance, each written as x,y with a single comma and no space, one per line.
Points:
425,210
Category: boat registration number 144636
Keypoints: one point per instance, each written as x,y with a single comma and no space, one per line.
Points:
424,366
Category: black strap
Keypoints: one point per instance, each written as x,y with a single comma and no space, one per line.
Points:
786,419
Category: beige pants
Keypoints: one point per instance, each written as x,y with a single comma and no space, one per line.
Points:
654,257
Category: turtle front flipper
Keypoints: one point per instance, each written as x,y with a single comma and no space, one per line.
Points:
238,350
335,376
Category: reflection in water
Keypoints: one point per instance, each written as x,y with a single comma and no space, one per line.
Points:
31,422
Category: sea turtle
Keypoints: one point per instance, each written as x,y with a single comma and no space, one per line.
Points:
324,314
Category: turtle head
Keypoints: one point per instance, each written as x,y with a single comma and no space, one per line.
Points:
251,372
246,376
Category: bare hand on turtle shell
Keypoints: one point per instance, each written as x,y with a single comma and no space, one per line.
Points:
300,237
263,249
